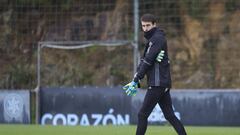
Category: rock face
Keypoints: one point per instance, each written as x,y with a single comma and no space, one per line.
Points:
203,39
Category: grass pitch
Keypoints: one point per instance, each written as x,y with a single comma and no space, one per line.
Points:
110,130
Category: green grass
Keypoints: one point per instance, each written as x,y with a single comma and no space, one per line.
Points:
110,130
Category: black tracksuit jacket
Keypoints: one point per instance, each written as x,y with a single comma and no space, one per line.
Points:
158,73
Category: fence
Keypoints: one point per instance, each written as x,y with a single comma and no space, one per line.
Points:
203,39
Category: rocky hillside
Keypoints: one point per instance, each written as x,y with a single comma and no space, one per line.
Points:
203,38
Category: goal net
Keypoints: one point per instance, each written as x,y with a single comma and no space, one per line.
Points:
84,63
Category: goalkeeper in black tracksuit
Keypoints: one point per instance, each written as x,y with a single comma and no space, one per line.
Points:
155,64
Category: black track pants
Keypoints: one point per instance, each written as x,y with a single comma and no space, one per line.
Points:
161,96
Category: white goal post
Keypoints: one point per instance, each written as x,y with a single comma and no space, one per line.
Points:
70,45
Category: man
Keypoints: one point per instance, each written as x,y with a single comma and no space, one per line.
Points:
155,64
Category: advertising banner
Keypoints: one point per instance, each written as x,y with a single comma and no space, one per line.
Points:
14,106
101,106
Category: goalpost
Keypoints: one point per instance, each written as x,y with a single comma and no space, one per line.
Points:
71,45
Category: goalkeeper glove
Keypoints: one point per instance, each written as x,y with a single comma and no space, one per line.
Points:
160,56
131,88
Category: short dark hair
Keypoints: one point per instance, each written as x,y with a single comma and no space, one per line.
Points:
148,18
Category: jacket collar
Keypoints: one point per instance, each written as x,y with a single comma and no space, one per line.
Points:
150,33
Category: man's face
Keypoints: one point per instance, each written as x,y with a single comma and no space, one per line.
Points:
146,26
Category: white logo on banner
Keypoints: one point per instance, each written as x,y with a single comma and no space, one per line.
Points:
157,115
13,105
85,119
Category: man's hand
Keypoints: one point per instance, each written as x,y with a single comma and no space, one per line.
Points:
160,56
131,88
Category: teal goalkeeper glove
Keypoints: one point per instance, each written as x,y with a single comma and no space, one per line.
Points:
160,56
131,88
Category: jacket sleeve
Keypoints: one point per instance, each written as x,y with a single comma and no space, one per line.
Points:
149,59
